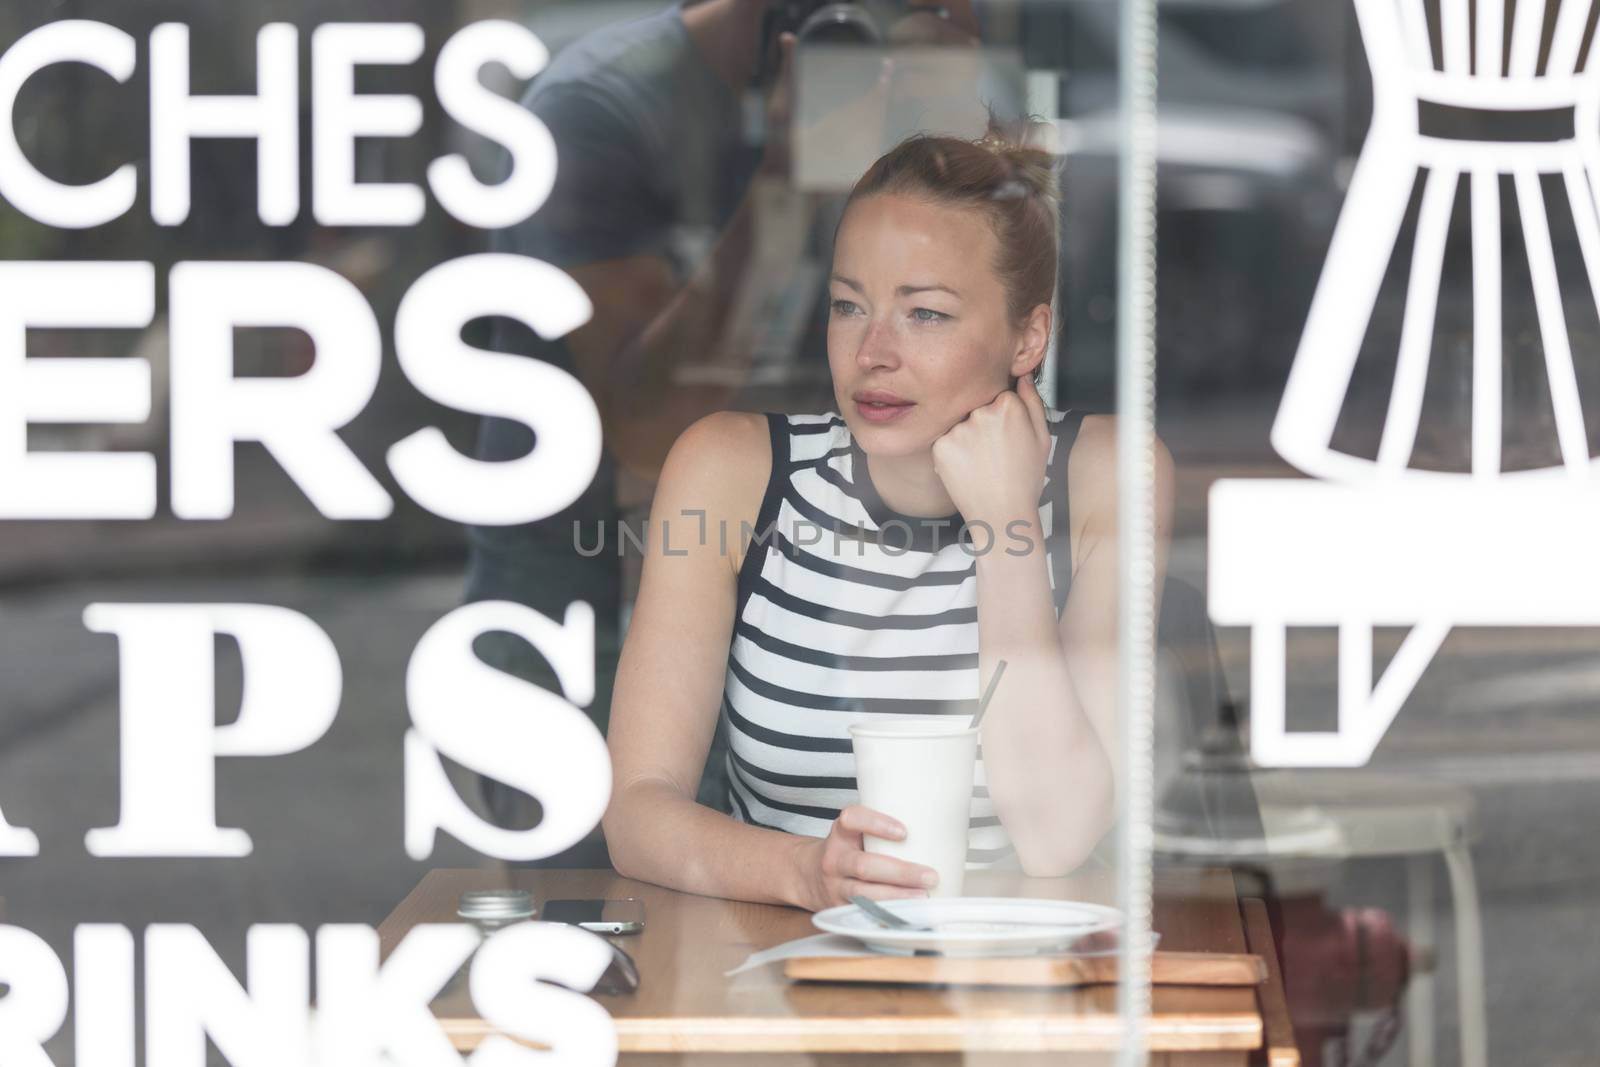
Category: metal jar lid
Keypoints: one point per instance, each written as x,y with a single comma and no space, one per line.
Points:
496,906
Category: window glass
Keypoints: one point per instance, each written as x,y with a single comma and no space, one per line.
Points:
646,468
1376,359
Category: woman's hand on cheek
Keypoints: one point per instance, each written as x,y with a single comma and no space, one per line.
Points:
992,462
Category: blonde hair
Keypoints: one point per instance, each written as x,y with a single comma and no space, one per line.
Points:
1005,175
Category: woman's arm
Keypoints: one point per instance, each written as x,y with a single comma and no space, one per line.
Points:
1050,734
1052,745
667,699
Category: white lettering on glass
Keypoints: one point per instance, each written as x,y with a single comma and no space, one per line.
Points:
170,740
1378,542
505,728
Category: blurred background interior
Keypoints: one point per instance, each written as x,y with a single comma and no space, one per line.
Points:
1465,841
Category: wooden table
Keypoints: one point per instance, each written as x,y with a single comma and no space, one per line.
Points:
686,1007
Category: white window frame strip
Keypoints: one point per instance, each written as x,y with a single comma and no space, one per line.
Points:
1136,356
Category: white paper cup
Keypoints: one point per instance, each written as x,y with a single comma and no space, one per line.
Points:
920,772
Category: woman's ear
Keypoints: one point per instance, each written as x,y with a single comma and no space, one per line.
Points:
1032,342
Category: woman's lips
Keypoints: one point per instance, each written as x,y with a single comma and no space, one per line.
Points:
876,411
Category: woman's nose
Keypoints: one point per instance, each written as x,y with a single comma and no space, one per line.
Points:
878,347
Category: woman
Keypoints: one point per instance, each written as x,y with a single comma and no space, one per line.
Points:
806,572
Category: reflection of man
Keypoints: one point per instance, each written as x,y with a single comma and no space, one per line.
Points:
676,214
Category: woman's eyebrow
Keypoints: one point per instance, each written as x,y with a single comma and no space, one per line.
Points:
904,290
907,290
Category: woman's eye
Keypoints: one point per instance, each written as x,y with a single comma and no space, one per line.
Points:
843,307
928,315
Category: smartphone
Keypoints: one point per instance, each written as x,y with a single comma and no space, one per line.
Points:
625,916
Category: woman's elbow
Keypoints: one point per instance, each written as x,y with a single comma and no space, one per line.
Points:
626,863
1065,845
617,824
631,823
1060,855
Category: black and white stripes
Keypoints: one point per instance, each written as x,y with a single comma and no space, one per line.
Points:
850,612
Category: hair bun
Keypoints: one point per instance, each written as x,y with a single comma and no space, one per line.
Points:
1022,145
1025,133
995,139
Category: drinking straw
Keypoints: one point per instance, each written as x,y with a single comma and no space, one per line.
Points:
983,705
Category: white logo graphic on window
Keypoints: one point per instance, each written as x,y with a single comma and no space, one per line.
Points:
1376,541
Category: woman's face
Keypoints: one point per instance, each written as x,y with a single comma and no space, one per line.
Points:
918,330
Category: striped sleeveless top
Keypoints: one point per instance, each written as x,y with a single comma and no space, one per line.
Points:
849,612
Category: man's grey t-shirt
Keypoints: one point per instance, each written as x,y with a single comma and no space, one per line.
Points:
650,159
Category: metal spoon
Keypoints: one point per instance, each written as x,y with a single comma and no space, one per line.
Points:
885,916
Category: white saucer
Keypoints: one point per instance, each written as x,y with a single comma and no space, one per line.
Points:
973,926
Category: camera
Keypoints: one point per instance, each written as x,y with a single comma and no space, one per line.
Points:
821,22
836,23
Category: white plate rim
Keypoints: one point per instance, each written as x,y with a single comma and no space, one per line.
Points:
828,921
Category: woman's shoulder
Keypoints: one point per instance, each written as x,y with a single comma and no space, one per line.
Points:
724,430
1094,448
725,447
1092,480
719,469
